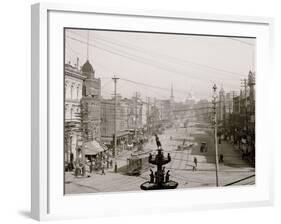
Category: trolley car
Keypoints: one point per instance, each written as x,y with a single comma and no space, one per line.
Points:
137,163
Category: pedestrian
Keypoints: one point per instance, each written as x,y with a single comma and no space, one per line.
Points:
151,176
221,158
91,165
71,161
115,167
195,161
169,157
158,143
193,168
102,168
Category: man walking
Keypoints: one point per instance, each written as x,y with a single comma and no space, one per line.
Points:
195,161
158,143
102,168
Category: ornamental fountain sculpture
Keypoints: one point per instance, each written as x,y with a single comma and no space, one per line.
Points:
159,180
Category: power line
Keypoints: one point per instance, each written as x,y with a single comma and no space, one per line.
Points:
177,60
153,86
154,59
142,60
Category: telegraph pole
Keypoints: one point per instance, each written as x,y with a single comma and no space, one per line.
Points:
115,116
148,115
136,117
244,85
215,132
233,96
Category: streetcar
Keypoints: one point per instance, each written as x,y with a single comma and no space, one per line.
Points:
137,163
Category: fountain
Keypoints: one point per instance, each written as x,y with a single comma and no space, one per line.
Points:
159,180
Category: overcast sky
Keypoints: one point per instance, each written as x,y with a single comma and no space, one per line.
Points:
150,63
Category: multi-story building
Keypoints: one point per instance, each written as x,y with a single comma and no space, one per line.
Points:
73,84
82,107
166,111
108,118
128,116
136,112
203,110
90,104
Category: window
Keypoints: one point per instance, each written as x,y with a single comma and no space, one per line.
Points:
71,91
77,92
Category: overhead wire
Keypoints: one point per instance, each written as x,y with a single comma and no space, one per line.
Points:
142,60
175,59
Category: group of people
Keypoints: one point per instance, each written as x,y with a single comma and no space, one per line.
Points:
244,141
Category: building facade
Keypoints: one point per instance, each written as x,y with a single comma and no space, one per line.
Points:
90,104
108,118
73,84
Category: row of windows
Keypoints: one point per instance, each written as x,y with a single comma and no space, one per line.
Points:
71,111
73,90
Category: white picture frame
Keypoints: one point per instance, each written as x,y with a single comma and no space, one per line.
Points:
48,201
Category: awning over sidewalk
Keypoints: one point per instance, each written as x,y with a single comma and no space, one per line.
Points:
93,148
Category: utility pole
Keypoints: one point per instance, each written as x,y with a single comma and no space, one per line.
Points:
232,112
244,85
148,114
233,96
251,84
136,115
115,116
88,33
215,132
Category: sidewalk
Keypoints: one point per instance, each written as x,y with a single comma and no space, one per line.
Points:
232,156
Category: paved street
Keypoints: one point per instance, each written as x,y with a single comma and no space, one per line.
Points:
232,169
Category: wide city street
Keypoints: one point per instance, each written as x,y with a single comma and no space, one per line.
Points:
182,167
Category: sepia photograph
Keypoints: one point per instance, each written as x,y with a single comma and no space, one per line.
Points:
157,111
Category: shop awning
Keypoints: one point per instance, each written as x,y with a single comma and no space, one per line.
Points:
93,148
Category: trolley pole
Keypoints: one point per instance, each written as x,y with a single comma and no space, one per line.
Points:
215,132
115,116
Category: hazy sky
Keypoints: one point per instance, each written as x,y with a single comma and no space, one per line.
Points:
150,63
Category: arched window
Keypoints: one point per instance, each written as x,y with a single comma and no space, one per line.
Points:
72,91
66,89
78,91
71,113
66,111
